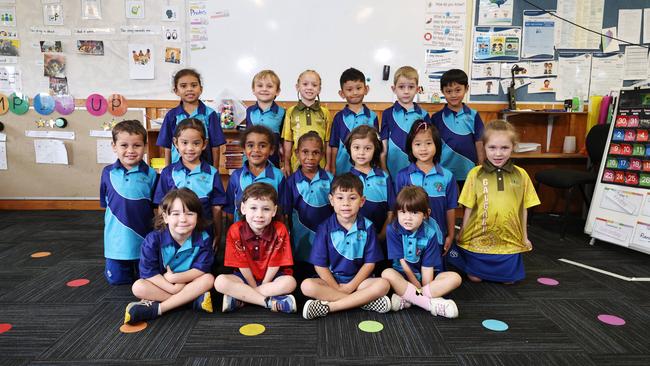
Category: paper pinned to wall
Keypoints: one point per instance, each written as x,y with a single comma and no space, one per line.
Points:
105,154
646,25
484,87
606,73
629,25
101,133
50,152
588,13
573,76
636,63
609,44
3,155
50,134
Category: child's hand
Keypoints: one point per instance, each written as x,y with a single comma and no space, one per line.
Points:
346,288
215,244
177,287
286,170
528,244
169,275
448,241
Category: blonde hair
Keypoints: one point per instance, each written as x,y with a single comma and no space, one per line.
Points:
499,125
270,74
307,72
406,72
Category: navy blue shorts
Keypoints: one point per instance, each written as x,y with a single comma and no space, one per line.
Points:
280,273
121,272
491,267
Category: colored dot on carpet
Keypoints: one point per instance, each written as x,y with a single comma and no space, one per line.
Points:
4,327
133,328
252,329
495,325
40,254
548,281
611,319
78,282
371,326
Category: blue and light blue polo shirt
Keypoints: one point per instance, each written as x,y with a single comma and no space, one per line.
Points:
310,207
439,184
127,196
242,178
204,180
160,250
459,133
344,122
272,118
211,121
396,123
379,191
419,249
345,252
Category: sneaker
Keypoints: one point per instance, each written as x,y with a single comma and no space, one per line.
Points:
231,304
314,309
380,305
139,311
203,303
443,307
398,303
284,304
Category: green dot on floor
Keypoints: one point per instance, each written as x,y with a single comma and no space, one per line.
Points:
371,326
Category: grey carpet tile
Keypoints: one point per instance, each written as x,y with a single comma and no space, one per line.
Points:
217,335
390,361
121,293
99,337
469,291
622,360
117,362
529,330
528,359
245,360
578,319
50,286
12,278
574,284
36,327
405,333
19,256
15,361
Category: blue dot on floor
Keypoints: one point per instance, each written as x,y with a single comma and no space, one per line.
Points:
495,325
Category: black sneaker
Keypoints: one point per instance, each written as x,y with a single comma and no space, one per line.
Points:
203,303
315,309
139,311
380,305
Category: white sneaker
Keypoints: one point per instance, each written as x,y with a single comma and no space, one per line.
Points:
398,303
443,307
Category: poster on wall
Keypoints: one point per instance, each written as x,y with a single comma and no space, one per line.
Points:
538,35
495,12
141,61
497,43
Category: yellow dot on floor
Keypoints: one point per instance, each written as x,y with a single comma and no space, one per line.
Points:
128,328
40,254
252,329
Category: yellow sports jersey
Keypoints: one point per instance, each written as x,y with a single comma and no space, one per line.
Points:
300,119
498,197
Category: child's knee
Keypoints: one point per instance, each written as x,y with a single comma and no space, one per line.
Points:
139,288
307,287
289,283
221,283
205,281
388,274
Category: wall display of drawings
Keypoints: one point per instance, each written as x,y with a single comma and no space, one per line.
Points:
497,43
620,207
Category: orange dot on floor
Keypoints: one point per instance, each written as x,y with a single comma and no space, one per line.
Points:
40,254
133,328
78,282
4,327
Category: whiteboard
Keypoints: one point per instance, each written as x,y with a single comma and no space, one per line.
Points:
290,36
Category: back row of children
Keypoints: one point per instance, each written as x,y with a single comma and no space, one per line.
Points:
303,197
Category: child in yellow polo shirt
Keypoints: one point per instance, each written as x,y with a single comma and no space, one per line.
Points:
307,115
496,196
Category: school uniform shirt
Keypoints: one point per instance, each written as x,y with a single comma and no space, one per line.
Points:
245,249
310,206
440,186
242,178
344,122
272,118
419,248
160,250
127,196
301,119
459,133
379,191
212,128
345,252
204,180
396,123
498,197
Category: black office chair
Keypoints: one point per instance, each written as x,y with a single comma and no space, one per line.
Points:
570,179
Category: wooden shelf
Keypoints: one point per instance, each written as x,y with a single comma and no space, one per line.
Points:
536,155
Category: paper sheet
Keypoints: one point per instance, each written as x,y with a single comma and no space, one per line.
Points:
538,35
646,25
629,25
3,155
50,134
486,70
542,85
606,73
484,87
589,14
621,201
101,133
613,232
573,76
50,152
493,13
610,45
642,235
519,82
636,63
105,154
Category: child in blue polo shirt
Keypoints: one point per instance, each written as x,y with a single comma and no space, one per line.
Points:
397,120
126,190
307,191
413,245
175,261
257,142
265,112
187,85
344,254
194,173
461,127
355,113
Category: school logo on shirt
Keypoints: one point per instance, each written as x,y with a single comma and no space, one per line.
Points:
203,178
418,251
438,186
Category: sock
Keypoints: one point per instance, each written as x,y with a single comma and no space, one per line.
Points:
159,310
414,297
426,290
268,302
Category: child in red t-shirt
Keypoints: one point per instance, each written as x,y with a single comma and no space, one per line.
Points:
259,249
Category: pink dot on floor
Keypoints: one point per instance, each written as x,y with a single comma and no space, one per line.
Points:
4,327
548,281
611,319
78,282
